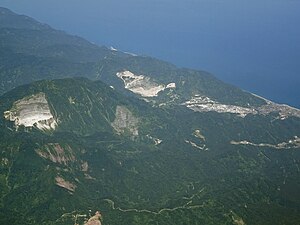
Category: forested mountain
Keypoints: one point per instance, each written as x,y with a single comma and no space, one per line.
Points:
86,129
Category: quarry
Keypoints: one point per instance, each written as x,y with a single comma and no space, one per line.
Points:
32,111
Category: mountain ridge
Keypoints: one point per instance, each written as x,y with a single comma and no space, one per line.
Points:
80,148
105,67
140,140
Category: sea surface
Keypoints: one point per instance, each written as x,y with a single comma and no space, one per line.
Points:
249,43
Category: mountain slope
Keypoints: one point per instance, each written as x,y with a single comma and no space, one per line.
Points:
25,35
179,165
54,54
42,52
141,140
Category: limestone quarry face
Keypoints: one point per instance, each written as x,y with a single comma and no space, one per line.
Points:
293,143
125,121
205,104
32,111
171,85
142,85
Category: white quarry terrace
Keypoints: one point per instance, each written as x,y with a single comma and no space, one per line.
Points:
290,144
32,111
200,103
205,104
142,85
113,49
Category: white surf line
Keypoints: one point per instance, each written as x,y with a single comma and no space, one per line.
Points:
185,206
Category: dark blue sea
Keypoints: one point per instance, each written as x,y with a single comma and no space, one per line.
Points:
249,43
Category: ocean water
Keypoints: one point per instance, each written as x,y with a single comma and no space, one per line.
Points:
252,44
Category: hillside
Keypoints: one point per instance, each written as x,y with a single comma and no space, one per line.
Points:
136,138
137,163
33,51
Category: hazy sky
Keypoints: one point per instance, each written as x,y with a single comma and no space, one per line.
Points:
254,44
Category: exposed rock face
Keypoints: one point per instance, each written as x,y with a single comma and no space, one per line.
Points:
56,153
84,166
156,141
290,144
142,85
94,220
236,219
171,85
32,111
61,182
205,104
197,133
4,162
125,121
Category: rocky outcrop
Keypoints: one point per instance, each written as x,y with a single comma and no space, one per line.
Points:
94,220
198,134
155,140
32,111
57,153
61,182
125,122
84,166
